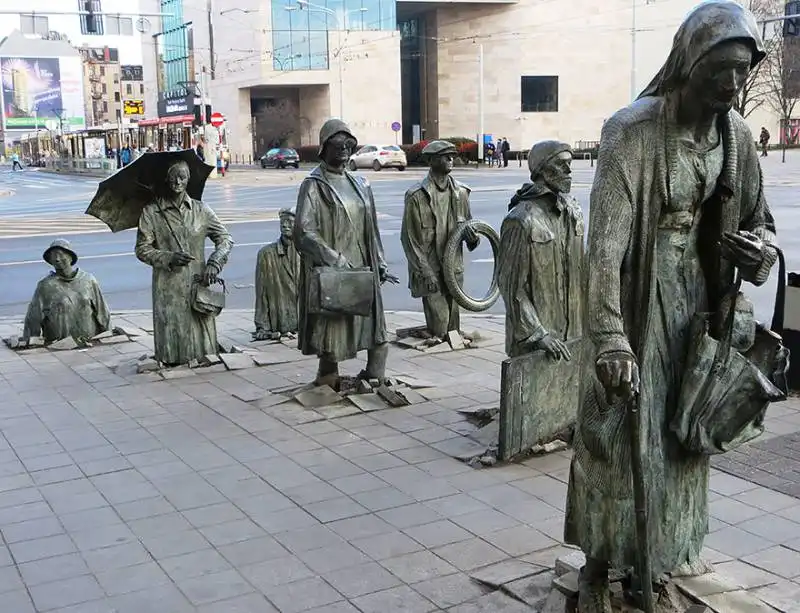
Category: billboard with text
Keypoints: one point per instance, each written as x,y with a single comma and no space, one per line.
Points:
37,89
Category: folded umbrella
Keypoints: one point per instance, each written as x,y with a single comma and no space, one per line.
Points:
120,198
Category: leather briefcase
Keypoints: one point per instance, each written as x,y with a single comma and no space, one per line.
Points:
341,291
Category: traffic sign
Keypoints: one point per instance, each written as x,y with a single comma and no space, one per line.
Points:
217,119
396,126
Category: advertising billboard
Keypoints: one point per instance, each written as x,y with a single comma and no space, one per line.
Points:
37,89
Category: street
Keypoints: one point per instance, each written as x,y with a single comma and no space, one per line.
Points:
43,206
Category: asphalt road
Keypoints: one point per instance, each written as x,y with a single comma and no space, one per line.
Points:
45,206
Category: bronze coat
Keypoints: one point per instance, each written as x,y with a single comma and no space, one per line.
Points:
277,272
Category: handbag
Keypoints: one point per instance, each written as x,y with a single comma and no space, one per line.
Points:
341,291
205,299
725,394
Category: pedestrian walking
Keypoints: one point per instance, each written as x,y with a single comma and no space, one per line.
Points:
15,161
125,155
506,151
490,151
763,140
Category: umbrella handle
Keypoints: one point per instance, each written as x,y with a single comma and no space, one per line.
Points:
169,225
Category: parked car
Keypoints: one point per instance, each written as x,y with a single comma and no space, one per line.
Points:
377,157
280,158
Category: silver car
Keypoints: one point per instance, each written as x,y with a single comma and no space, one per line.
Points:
378,157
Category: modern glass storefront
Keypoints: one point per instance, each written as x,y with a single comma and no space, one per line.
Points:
300,30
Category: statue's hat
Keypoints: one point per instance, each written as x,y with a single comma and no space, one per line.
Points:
60,243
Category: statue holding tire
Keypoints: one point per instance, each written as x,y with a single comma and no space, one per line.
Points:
435,209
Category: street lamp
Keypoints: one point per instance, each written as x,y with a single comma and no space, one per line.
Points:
305,4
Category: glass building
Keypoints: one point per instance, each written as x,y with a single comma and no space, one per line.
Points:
300,35
174,50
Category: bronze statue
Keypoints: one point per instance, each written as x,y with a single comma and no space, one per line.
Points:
171,238
540,262
68,302
277,271
342,265
676,205
433,210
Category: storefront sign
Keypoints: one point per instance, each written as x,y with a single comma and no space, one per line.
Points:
134,107
169,107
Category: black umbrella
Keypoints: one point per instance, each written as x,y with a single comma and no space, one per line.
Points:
120,199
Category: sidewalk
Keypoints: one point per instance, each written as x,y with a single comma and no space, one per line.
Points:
131,493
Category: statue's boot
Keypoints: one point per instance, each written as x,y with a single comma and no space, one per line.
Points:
376,363
594,594
327,373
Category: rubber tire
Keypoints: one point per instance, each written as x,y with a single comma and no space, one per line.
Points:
296,166
352,166
456,291
401,168
376,166
263,164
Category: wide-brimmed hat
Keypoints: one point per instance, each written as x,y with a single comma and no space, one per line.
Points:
60,243
331,128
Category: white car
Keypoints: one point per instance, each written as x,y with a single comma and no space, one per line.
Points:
377,157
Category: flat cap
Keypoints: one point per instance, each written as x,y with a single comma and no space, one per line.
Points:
439,147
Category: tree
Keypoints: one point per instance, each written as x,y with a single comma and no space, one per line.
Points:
755,89
782,76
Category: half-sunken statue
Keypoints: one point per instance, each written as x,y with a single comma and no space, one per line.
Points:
676,207
342,266
540,261
433,209
172,236
277,272
68,302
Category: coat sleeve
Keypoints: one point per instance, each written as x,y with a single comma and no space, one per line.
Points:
33,318
513,277
610,228
261,318
101,312
411,235
307,239
219,235
759,221
383,267
146,249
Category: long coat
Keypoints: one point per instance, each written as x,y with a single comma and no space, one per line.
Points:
541,271
277,272
322,231
424,236
181,334
630,191
67,307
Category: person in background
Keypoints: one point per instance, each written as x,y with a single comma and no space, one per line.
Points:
488,153
125,155
15,161
763,140
200,151
505,151
498,152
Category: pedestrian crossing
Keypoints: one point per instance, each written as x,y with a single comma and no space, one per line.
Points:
24,227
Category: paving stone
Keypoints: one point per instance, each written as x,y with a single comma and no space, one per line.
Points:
65,344
495,602
508,571
302,595
418,566
320,396
705,585
236,361
132,578
335,557
390,545
400,599
368,402
194,564
363,579
250,603
778,560
736,602
278,571
215,586
471,554
64,593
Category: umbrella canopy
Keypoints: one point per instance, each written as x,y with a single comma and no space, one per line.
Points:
120,199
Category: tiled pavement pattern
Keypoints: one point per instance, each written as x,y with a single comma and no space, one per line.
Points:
145,495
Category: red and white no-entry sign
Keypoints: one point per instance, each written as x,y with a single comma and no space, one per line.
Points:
217,119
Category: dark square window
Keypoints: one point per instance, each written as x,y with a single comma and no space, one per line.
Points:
91,16
539,94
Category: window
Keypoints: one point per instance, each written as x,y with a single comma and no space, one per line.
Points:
141,88
119,25
105,88
34,24
105,106
128,89
91,17
116,96
102,71
539,94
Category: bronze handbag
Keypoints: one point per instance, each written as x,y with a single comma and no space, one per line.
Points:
205,299
341,291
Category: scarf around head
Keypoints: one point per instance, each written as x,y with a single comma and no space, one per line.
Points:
541,153
710,23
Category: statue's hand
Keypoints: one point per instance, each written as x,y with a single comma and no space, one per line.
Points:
387,277
210,274
471,238
555,348
343,262
179,258
744,249
619,374
431,284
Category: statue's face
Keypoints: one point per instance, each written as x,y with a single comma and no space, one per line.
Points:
717,78
338,149
61,261
287,226
442,164
178,178
557,173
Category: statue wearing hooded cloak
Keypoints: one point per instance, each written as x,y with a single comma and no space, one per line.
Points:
658,210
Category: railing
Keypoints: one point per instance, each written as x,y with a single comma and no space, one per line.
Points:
102,167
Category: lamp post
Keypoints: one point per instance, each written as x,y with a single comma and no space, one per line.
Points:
305,4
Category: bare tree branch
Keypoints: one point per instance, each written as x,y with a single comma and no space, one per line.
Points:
782,75
755,91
